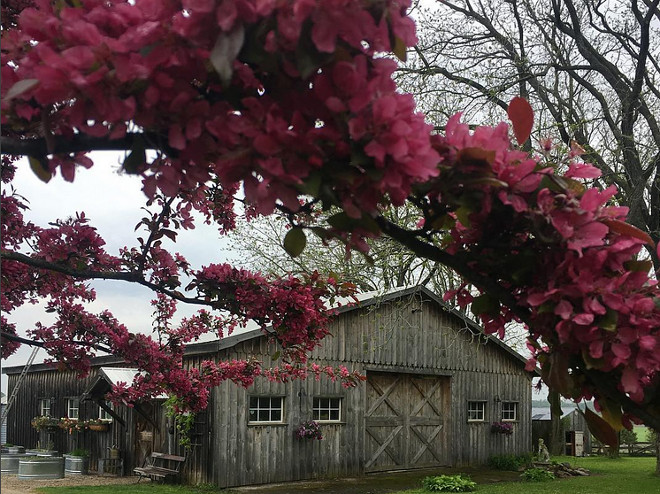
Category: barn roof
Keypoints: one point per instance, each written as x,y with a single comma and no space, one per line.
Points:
346,305
365,300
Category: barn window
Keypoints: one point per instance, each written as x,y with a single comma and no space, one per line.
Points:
509,411
326,409
266,409
73,408
103,414
476,411
44,407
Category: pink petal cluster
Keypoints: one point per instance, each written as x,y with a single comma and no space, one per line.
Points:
570,259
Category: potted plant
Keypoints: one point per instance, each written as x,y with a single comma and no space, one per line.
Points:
12,449
309,430
45,423
505,428
39,450
76,462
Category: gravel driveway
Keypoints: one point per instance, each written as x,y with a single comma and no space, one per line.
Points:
11,484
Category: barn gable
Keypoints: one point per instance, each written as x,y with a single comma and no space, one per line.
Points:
434,385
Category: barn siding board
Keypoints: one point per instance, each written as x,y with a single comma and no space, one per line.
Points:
410,334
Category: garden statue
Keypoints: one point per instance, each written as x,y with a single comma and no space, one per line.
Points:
544,454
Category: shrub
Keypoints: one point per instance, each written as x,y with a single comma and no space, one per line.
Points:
509,462
537,475
628,437
449,483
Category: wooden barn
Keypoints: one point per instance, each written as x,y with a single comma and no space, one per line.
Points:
434,387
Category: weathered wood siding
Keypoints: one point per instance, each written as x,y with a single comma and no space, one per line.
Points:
438,359
412,336
58,386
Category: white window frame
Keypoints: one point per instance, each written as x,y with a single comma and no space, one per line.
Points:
332,405
509,414
73,408
476,411
103,414
44,407
268,406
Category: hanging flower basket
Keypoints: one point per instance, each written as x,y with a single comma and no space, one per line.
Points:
98,427
505,428
45,423
71,425
309,430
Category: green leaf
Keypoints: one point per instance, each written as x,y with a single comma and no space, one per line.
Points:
276,355
40,169
612,414
555,374
599,427
609,320
136,158
399,49
295,241
485,304
463,215
340,221
311,185
20,87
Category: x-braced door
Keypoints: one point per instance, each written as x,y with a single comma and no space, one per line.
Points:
406,421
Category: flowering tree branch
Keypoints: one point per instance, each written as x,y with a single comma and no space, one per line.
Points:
292,104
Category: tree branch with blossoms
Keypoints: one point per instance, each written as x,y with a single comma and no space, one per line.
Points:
292,104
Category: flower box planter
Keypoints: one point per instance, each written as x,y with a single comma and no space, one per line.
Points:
76,465
98,427
10,463
16,450
41,467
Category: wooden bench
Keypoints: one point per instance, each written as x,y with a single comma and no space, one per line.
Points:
159,466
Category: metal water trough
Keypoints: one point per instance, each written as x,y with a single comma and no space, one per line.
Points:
43,467
10,462
75,465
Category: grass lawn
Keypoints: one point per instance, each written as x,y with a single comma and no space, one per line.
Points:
642,433
620,476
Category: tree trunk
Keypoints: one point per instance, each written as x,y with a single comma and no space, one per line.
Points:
557,441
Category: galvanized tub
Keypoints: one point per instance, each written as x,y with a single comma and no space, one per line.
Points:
10,463
76,465
40,468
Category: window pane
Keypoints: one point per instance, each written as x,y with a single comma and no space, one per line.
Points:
276,416
334,415
254,401
252,416
264,402
264,416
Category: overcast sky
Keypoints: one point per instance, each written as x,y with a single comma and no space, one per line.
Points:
112,202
